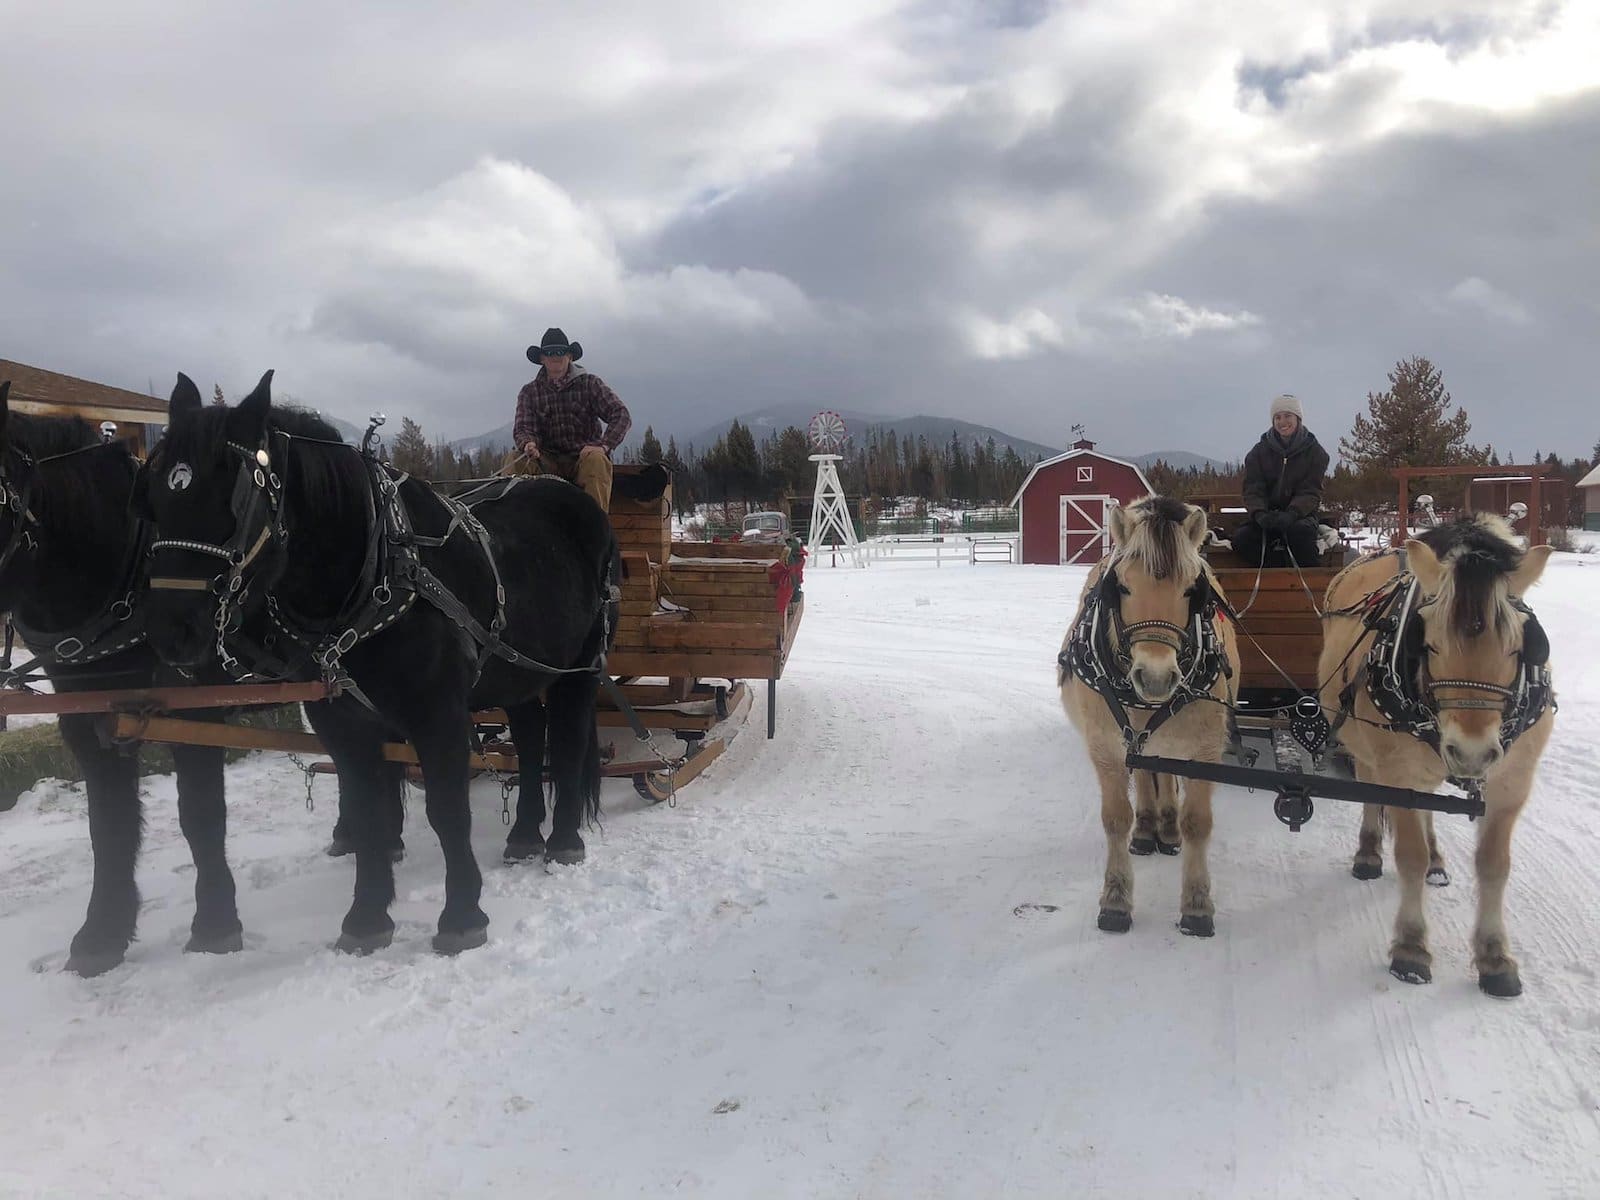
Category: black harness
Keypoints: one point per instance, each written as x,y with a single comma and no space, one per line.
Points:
1098,652
391,579
1395,672
117,627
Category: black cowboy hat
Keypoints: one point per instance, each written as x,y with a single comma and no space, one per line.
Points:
554,342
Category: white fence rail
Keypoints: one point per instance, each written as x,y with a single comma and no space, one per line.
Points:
972,549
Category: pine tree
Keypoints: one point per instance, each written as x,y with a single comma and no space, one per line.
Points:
744,463
1410,424
650,449
216,395
794,461
411,451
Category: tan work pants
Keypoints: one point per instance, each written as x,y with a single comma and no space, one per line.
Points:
590,469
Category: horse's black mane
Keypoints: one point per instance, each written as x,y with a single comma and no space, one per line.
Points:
326,478
1157,541
1478,552
198,435
43,437
86,493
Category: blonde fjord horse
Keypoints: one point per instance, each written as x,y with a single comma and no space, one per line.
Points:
1147,651
1464,676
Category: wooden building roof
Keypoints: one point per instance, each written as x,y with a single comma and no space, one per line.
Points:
51,394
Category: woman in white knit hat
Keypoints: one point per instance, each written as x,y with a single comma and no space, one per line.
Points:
1283,477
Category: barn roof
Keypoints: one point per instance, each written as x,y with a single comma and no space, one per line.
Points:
1592,479
1061,458
49,393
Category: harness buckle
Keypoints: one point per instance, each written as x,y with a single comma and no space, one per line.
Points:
69,647
346,642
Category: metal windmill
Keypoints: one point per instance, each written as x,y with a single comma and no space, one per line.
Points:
830,515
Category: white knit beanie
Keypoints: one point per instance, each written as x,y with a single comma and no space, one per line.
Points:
1289,404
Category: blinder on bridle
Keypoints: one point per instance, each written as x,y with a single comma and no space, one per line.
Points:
17,502
1200,596
258,512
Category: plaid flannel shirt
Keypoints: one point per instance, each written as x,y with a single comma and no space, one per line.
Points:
565,417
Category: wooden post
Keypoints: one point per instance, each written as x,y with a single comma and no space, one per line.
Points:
1534,509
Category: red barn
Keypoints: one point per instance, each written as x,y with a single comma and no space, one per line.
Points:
1063,505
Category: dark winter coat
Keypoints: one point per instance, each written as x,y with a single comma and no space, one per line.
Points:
1279,476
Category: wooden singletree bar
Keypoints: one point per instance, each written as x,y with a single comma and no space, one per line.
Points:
233,695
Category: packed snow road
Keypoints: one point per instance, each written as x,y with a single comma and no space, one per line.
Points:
857,960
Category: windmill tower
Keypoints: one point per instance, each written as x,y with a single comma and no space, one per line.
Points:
830,516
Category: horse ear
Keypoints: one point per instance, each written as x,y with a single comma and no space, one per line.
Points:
185,397
1121,525
259,401
1424,564
1195,527
1533,564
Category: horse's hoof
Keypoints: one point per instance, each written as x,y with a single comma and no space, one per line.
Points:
340,846
89,963
1366,870
454,943
568,852
350,943
1438,877
1409,971
222,943
1504,985
517,852
1142,846
1198,926
1113,921
1168,848
397,854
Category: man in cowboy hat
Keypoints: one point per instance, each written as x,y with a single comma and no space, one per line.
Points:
1283,476
559,414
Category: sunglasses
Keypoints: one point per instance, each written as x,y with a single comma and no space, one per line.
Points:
554,351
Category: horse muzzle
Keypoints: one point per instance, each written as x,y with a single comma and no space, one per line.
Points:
1154,681
1469,757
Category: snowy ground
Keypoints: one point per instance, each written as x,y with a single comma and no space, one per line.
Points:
809,979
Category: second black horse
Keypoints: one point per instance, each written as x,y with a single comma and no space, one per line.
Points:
425,609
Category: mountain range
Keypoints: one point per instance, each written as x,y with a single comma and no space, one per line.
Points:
765,422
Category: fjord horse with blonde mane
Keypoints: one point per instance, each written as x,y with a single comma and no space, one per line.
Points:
1149,662
1455,686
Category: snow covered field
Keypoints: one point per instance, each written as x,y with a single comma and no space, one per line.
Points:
810,979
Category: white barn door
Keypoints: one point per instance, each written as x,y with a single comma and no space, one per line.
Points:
1085,528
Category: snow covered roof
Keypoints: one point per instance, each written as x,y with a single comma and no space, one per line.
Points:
1050,462
1592,479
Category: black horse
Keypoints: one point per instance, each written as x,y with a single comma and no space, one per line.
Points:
422,609
72,560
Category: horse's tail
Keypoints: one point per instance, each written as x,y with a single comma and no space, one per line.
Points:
591,774
613,574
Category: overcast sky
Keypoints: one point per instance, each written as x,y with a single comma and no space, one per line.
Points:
1146,217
